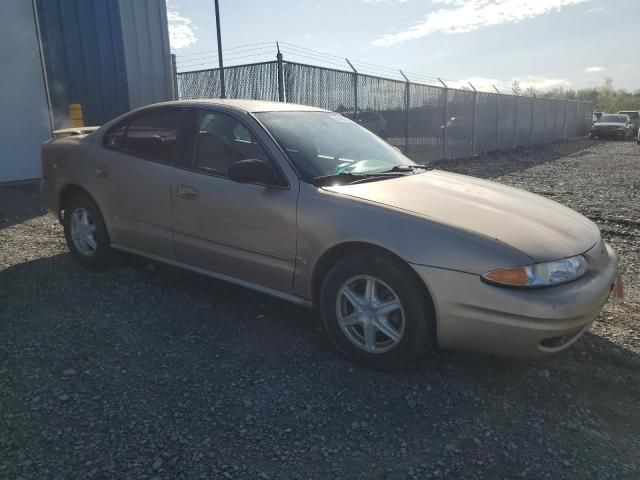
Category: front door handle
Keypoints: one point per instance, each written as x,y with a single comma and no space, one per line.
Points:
186,192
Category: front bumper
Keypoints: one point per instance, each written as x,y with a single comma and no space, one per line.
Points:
608,133
476,316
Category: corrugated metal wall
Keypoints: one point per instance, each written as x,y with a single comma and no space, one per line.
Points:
24,112
108,55
145,35
84,57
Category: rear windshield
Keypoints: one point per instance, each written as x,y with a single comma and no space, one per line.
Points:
631,114
613,119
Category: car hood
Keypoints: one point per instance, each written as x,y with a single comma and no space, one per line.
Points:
542,229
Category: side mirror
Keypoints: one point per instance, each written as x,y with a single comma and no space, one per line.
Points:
253,170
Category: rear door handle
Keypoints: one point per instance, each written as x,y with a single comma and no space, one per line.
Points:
186,192
101,171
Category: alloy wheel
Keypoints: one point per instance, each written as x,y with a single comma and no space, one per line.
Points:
370,314
83,232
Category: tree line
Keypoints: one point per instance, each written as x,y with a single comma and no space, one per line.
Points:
605,97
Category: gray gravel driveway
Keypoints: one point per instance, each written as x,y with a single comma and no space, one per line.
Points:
145,371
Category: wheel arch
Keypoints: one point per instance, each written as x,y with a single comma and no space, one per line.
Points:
68,191
345,249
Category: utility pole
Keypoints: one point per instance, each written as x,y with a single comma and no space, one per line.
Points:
223,93
280,74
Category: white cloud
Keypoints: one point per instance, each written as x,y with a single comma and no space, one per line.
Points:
595,10
181,33
459,16
594,69
542,83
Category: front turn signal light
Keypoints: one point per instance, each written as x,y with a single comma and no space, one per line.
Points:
540,274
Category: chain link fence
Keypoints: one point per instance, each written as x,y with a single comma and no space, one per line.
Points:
427,122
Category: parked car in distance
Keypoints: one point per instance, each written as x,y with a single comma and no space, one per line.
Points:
458,127
372,121
306,205
634,115
610,125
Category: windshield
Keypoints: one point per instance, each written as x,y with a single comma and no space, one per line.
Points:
613,119
324,143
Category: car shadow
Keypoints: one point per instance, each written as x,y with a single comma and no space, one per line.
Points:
174,303
19,203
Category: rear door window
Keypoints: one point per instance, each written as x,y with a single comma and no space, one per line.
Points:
114,137
153,136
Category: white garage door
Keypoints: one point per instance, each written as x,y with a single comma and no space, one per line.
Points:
24,112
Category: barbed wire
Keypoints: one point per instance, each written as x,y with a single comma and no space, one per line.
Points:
209,58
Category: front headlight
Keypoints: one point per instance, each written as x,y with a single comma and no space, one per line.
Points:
540,274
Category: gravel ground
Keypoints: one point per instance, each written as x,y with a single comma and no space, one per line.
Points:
145,371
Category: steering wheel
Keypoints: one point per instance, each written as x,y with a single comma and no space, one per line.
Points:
344,151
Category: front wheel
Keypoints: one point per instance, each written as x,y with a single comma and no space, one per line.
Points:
376,312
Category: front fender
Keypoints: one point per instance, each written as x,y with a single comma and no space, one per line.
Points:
328,219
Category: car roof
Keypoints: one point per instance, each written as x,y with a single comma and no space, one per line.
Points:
252,106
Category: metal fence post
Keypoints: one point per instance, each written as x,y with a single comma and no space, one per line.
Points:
174,76
515,122
497,117
280,75
533,106
355,90
546,111
474,119
445,119
407,106
564,128
555,120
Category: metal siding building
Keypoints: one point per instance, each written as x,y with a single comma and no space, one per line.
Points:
146,49
24,111
110,56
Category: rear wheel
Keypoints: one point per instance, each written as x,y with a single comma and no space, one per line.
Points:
85,232
375,311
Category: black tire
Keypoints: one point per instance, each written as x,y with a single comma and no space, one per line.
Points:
420,326
101,256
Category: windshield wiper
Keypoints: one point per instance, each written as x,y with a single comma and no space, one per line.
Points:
355,177
408,168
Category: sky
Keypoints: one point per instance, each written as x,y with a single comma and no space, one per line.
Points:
541,43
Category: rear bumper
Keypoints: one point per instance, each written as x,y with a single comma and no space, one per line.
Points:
50,195
473,315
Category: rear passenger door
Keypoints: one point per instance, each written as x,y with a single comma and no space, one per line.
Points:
135,170
245,231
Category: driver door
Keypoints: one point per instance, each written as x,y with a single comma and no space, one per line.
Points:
244,231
